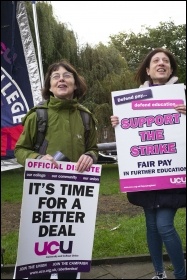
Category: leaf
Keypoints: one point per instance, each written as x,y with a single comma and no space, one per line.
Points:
115,227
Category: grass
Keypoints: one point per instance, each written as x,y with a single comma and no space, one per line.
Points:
109,180
12,185
10,242
129,237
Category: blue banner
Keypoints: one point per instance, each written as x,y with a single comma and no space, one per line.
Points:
16,88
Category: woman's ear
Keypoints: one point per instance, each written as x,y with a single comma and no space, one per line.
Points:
147,71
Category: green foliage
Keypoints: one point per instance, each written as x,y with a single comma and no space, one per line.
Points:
100,62
135,47
105,70
56,40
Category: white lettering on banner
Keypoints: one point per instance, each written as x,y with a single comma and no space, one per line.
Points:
14,97
178,180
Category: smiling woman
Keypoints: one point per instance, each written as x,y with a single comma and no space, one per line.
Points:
64,132
159,68
62,84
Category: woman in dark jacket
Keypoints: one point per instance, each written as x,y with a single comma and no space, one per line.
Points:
160,206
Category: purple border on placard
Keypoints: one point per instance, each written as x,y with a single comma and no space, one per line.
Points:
139,95
153,183
61,176
52,267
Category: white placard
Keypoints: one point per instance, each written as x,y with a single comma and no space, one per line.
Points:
58,217
150,138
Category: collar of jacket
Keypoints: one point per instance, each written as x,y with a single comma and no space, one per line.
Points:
57,103
171,81
71,104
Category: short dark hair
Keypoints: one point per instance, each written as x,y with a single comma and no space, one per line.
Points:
141,75
79,80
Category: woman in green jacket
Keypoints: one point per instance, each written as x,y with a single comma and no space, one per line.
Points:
65,129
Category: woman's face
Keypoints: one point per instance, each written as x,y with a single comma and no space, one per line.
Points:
62,84
160,68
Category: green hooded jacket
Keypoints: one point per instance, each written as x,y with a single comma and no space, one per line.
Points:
65,132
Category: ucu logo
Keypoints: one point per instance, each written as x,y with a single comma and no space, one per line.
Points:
178,180
52,248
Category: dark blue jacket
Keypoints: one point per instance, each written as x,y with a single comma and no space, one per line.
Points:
172,198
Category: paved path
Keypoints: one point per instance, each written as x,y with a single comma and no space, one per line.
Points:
127,270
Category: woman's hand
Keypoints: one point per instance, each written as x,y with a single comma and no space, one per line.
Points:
83,163
114,120
181,108
49,157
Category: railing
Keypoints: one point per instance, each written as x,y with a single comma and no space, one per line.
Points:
107,146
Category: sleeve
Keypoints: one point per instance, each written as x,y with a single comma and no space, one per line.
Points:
25,145
92,149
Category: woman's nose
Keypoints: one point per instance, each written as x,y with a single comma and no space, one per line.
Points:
161,61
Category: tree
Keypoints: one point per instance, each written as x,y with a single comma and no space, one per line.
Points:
57,41
105,71
135,47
